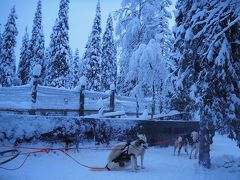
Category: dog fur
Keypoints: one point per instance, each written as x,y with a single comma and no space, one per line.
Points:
194,144
186,140
124,154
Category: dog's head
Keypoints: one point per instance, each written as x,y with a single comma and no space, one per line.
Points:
142,140
194,136
180,139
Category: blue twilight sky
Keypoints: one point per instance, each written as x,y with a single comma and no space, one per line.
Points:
81,15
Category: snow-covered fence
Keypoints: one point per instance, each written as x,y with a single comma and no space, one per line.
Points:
18,97
50,100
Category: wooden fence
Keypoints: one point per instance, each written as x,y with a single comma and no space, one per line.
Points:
54,101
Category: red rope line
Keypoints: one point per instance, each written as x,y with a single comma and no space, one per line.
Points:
20,154
13,169
38,148
46,150
63,150
86,166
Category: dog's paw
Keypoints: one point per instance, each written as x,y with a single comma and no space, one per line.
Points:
134,170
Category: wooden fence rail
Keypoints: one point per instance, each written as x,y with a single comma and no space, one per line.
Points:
50,101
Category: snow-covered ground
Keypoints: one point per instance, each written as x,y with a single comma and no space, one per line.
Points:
159,164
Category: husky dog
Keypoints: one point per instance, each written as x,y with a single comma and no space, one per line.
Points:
123,154
194,143
181,141
185,140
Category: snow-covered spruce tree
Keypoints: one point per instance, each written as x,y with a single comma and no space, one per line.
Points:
59,65
24,63
218,82
211,65
138,23
109,57
92,55
74,74
50,53
36,44
7,58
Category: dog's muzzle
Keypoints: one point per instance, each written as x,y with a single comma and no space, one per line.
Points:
145,146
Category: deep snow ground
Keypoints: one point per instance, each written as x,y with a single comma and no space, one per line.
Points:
159,164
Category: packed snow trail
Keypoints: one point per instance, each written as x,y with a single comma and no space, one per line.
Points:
159,163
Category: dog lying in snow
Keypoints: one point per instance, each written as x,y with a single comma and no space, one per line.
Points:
123,154
188,139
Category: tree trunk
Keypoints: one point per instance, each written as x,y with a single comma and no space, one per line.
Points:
112,101
206,135
153,100
82,101
137,107
34,88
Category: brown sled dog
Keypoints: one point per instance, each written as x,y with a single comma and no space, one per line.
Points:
186,140
123,154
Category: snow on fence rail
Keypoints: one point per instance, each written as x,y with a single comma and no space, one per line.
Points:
50,98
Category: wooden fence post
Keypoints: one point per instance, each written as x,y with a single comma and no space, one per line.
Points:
137,107
36,73
83,82
112,97
153,101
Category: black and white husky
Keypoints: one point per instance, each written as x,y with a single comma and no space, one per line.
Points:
124,154
186,140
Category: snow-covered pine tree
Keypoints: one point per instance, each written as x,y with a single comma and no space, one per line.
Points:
75,70
92,55
218,82
36,44
138,23
59,65
210,62
109,57
50,53
7,58
24,63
